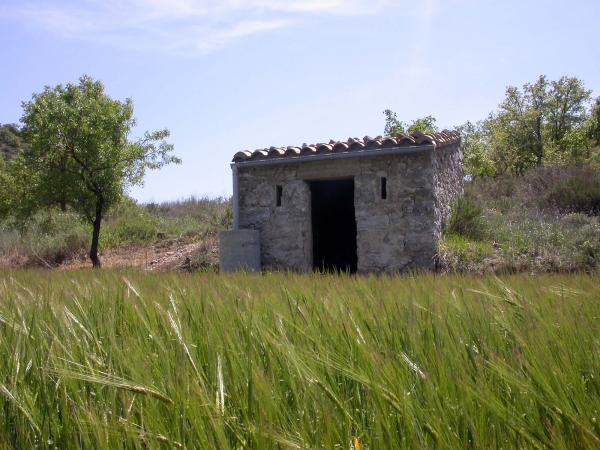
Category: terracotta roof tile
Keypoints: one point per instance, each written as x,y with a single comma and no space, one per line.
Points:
438,140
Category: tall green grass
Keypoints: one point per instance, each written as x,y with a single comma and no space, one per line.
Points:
110,360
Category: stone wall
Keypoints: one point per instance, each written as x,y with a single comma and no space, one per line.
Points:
285,231
393,234
448,182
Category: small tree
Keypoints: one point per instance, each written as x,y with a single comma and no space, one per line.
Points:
424,125
474,142
543,117
80,152
395,127
592,125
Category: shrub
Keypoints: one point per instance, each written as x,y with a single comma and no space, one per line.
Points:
466,219
49,237
129,223
579,193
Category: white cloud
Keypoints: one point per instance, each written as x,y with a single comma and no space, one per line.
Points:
197,26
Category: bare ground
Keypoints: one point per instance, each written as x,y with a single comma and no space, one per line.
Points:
178,254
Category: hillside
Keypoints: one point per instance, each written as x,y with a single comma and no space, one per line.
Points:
179,235
544,221
10,141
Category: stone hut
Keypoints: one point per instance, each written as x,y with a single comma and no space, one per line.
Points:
362,205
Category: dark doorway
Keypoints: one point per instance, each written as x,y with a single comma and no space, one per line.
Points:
333,225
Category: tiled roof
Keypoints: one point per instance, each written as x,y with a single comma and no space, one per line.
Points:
437,140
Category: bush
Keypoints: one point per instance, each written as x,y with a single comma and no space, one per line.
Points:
49,237
192,217
129,223
578,194
466,219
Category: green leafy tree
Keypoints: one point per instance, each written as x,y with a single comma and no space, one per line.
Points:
566,108
474,144
542,122
518,124
80,152
591,131
12,147
508,147
592,124
425,125
395,127
5,192
539,122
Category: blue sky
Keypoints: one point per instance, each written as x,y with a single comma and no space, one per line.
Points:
231,75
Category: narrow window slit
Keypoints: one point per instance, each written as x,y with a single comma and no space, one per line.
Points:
383,188
279,191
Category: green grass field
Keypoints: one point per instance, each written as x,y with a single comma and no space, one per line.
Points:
110,360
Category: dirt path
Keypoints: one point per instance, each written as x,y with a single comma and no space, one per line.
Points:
177,254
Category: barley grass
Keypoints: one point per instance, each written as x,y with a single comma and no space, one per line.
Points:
107,360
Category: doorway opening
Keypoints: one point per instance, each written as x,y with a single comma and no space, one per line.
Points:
333,225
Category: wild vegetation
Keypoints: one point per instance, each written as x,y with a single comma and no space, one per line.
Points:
532,197
547,122
127,360
543,221
80,155
532,203
51,237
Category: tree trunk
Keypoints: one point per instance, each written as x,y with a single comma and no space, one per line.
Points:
96,236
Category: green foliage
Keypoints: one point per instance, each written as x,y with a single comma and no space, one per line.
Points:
16,199
425,125
127,360
130,223
565,109
51,236
394,127
12,147
524,230
466,219
192,216
591,129
5,192
476,158
80,153
544,122
593,123
539,116
463,254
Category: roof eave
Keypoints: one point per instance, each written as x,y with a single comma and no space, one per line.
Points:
362,153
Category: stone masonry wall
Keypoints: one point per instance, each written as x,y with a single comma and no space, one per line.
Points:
448,182
393,234
285,231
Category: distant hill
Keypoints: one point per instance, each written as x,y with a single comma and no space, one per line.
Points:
11,141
